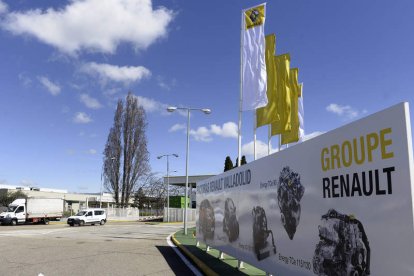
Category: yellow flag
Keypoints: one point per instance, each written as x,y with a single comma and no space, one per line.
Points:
293,135
268,114
283,91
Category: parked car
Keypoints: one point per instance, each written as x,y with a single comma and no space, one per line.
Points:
88,216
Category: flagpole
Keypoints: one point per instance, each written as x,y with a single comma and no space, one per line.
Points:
241,91
303,114
269,137
254,136
280,141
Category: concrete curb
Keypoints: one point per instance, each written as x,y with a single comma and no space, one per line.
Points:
108,221
202,266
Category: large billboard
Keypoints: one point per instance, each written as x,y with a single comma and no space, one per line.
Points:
338,204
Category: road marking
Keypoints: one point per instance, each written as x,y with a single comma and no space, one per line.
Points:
31,232
182,257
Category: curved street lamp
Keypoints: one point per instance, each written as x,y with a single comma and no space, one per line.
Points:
168,181
188,109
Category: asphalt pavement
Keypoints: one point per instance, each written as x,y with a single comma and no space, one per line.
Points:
117,248
133,248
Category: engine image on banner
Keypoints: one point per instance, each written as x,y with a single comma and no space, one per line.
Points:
338,204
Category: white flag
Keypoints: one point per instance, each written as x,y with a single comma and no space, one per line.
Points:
254,83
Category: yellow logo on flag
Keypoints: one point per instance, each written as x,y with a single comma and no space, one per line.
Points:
254,16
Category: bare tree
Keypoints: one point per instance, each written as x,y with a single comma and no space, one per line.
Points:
112,155
126,145
177,190
156,191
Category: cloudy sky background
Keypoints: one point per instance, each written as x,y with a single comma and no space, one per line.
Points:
64,65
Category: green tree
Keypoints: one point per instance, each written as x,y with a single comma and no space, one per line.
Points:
242,162
7,197
228,164
139,198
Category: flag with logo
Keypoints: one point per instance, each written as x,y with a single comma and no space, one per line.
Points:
268,114
283,90
254,80
292,136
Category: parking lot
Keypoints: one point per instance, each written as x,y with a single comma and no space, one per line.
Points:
113,249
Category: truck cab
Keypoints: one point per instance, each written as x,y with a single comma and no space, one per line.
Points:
15,213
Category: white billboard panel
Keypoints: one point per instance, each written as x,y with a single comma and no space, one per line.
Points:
338,204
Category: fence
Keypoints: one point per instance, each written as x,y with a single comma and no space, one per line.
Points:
151,212
122,213
177,214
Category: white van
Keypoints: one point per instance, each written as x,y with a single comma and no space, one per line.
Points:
88,216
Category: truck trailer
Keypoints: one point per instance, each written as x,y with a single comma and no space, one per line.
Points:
32,210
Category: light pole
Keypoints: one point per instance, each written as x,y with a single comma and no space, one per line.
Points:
188,109
168,182
101,193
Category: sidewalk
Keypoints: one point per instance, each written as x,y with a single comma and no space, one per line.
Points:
209,262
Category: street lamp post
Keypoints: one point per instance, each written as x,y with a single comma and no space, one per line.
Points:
168,182
188,109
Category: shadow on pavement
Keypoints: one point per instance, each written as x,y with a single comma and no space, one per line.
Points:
174,261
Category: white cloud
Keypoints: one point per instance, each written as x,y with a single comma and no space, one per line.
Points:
165,84
345,111
25,80
228,130
3,7
92,151
27,183
261,149
177,127
204,134
151,105
312,135
93,25
107,72
53,88
90,102
82,118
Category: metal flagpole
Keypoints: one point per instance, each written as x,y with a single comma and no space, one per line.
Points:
280,141
241,90
254,136
269,137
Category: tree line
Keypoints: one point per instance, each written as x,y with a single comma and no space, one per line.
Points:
228,164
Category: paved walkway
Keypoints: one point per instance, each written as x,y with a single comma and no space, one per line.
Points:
209,262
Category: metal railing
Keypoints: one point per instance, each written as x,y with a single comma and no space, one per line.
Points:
177,214
122,213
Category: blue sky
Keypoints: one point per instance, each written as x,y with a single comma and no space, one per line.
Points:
64,64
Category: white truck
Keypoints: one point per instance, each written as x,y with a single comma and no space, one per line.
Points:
32,209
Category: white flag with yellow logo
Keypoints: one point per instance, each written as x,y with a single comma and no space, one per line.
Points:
253,55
